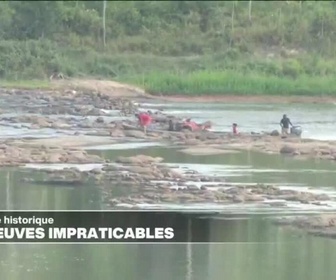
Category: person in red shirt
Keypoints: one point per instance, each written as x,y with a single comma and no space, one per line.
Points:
144,120
234,129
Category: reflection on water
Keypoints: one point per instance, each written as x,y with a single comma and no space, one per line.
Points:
17,195
250,167
289,257
255,248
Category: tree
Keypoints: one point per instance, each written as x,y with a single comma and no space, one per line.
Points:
36,19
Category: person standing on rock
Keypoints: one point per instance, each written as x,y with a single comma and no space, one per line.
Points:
171,126
284,123
144,120
235,129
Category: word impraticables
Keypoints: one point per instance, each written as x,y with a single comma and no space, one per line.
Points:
86,233
111,233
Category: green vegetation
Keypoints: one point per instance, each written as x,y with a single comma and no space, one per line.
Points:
174,47
228,82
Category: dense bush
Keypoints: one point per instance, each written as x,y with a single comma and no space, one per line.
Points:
191,46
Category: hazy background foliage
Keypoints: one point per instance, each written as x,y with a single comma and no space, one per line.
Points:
175,46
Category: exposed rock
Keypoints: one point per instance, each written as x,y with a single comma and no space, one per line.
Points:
142,170
140,159
100,120
287,150
190,142
321,225
238,199
134,133
275,133
117,133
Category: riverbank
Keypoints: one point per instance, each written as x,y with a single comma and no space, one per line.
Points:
124,90
105,111
111,88
239,82
80,118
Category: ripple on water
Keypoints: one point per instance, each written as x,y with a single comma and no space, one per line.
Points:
238,170
124,146
23,132
245,208
266,206
60,166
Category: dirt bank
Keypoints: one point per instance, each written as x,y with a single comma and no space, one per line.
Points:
117,89
106,87
110,88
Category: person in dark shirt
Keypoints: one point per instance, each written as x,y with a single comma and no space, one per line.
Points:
171,125
234,129
284,123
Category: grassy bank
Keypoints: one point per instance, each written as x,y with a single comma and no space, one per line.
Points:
173,47
234,82
212,83
29,65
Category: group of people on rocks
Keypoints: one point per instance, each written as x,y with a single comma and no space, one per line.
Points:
145,120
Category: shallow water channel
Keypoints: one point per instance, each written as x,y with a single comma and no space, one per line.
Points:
255,249
317,120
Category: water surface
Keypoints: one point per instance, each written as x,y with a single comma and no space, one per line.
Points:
254,249
318,121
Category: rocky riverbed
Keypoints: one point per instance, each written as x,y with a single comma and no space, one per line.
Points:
323,225
83,118
81,113
149,181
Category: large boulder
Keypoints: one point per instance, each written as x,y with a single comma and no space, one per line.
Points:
140,159
117,133
41,122
100,120
134,133
287,150
54,158
275,133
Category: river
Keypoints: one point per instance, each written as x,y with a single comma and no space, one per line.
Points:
254,247
316,120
